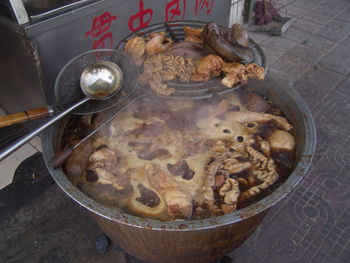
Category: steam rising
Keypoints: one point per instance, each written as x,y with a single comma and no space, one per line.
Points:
188,159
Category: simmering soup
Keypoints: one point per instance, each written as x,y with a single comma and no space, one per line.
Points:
191,159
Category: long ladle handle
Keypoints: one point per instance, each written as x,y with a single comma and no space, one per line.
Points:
24,116
63,155
14,146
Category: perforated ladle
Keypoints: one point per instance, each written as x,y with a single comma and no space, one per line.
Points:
99,81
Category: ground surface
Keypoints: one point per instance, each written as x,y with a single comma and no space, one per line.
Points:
311,225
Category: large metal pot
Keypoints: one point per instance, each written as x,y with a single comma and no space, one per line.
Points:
199,240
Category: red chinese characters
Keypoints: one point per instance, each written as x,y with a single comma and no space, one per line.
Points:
99,29
207,5
175,10
143,17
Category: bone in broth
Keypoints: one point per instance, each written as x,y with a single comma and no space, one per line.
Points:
191,159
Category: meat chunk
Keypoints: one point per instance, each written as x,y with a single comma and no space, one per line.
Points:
233,67
210,65
149,155
230,80
119,181
196,147
77,162
200,77
219,180
210,171
178,201
255,71
193,39
264,146
281,140
148,140
181,168
106,193
135,47
181,119
254,102
146,201
238,73
223,107
264,170
226,209
161,89
148,197
103,158
230,191
250,116
156,44
104,163
232,165
192,31
148,129
186,49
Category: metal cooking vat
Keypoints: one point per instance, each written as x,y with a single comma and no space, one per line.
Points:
196,241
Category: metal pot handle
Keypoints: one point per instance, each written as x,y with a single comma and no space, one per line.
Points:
20,142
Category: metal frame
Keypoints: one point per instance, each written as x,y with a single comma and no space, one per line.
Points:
19,11
248,11
237,7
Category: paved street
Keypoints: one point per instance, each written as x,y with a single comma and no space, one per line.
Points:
313,224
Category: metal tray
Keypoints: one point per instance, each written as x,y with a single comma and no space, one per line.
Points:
193,90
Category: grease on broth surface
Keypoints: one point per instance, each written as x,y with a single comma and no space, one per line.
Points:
173,160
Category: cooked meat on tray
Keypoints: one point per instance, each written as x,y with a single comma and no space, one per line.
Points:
205,53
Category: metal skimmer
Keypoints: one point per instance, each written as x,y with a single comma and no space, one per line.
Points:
67,85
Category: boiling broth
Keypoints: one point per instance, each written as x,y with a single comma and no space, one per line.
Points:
172,159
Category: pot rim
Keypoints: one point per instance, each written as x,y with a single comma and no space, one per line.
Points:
119,216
